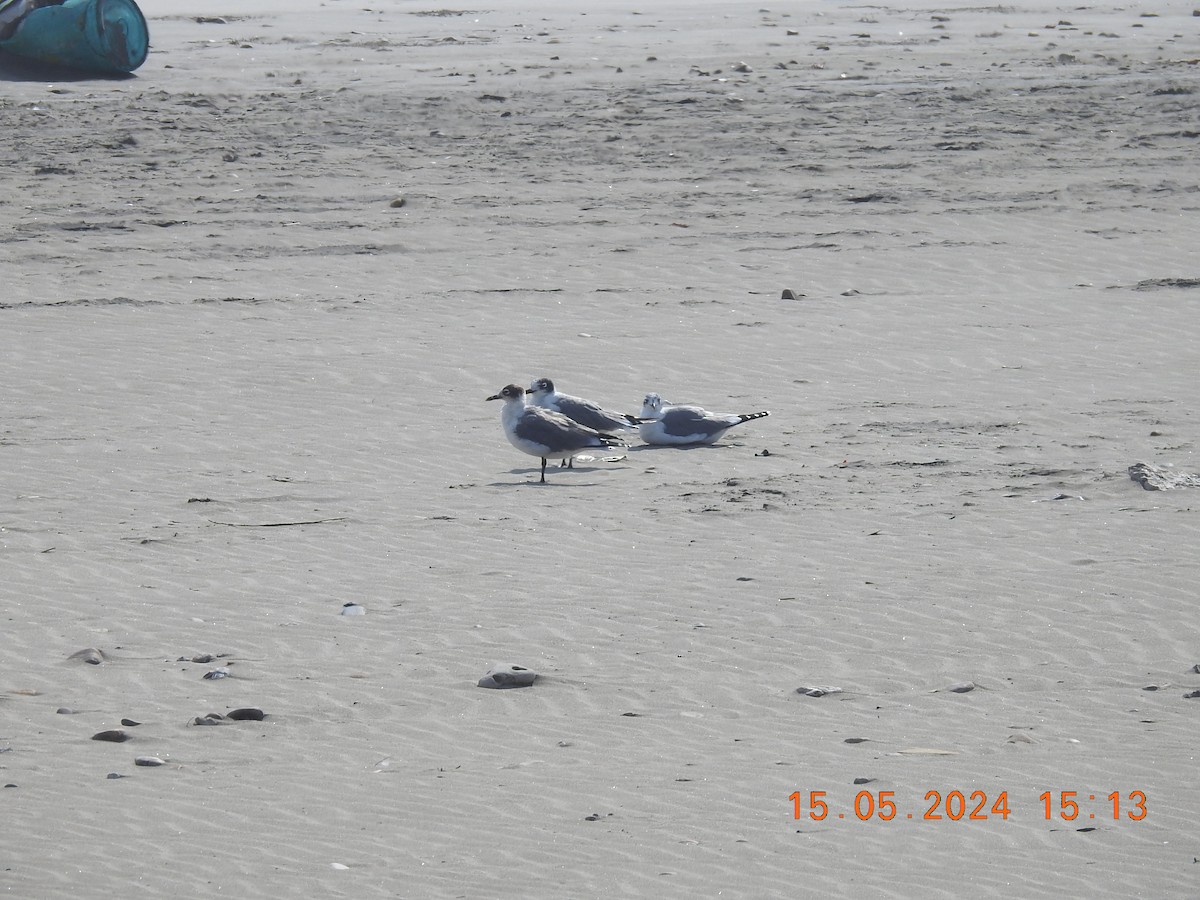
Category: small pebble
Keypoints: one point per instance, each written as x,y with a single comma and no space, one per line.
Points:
817,691
397,203
115,775
115,736
91,656
507,676
216,673
65,711
1191,695
209,719
962,687
148,761
247,714
129,723
789,294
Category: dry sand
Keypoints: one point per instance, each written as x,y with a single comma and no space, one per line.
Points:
215,324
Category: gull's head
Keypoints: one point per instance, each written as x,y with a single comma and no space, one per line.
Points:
652,406
511,393
540,387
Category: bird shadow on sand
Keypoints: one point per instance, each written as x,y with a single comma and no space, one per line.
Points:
553,476
640,447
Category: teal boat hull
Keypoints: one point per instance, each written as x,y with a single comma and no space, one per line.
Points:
90,35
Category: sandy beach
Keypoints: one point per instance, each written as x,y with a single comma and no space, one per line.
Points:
252,299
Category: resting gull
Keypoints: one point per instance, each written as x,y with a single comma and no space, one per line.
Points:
545,434
662,423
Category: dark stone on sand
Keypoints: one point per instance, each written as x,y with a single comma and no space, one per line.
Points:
855,741
65,711
1191,695
90,655
507,676
962,687
148,761
112,775
115,736
789,294
863,780
209,719
129,723
216,674
247,714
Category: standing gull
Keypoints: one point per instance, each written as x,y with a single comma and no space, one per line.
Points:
545,434
585,412
662,423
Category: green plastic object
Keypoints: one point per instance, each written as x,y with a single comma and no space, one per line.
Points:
90,35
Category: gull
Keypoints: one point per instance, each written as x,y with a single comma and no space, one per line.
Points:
545,434
585,412
662,423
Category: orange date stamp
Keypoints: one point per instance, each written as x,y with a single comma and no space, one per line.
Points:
977,806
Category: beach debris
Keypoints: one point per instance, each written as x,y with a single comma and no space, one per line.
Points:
209,719
108,36
816,691
149,761
927,751
353,609
89,655
1154,478
507,675
214,674
246,714
1191,695
114,736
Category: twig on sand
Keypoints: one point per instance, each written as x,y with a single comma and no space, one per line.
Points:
277,524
